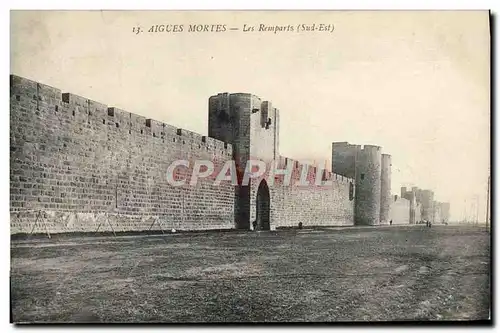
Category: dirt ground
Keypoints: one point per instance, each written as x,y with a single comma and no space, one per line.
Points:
350,274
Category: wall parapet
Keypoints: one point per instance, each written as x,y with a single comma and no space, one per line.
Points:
84,109
312,169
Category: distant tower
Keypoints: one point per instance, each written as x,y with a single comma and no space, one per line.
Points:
385,189
368,183
403,192
411,196
413,205
427,199
365,166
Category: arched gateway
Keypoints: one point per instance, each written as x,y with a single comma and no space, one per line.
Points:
263,207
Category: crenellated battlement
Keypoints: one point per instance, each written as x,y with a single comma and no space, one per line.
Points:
312,169
367,148
84,110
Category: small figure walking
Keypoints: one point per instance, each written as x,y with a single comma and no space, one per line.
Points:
390,222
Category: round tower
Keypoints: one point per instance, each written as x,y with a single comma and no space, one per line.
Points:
385,189
368,182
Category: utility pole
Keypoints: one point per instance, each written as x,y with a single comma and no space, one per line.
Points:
464,220
488,203
477,209
472,212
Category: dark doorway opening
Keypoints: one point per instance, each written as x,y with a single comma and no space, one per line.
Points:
263,207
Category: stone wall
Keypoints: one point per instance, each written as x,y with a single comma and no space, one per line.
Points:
79,165
329,204
77,159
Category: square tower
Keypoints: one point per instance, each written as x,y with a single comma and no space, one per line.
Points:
251,125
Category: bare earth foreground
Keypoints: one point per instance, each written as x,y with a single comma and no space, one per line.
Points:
349,274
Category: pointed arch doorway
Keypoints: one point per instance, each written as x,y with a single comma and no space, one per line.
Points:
263,206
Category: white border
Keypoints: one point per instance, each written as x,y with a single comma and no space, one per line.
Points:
172,5
255,4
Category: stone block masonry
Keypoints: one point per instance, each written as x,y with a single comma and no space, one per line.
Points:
76,160
372,173
77,165
313,205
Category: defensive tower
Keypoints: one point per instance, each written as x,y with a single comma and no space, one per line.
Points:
365,166
252,127
385,189
368,184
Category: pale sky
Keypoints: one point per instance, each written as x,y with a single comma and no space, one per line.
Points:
415,83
